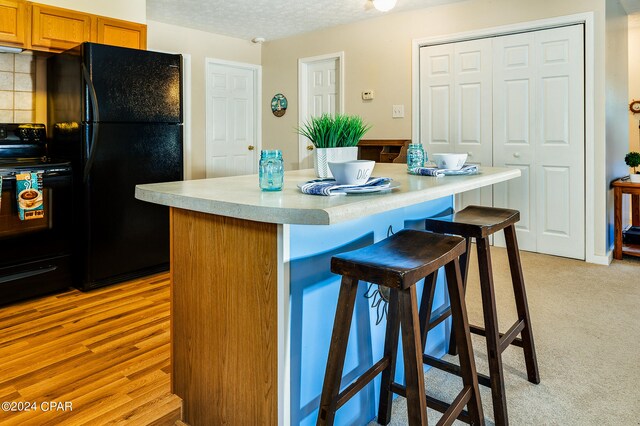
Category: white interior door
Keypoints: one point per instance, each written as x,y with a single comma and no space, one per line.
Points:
232,119
321,88
539,128
455,97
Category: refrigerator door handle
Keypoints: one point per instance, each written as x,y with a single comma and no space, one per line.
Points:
95,126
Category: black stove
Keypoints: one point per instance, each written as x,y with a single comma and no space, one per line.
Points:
35,254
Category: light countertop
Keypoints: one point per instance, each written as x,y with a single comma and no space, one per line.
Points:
240,196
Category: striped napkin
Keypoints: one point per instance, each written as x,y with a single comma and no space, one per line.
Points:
467,169
330,187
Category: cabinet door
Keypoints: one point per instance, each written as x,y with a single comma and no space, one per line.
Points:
58,29
12,22
122,33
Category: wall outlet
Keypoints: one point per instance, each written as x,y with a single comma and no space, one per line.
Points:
367,95
398,111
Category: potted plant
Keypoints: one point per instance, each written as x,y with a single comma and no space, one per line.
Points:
335,138
633,160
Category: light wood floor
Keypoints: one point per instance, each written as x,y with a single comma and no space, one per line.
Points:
106,352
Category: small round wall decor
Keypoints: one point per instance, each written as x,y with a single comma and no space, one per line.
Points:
279,105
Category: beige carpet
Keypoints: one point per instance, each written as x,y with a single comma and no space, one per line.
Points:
586,322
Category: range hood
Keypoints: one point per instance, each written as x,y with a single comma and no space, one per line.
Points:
6,49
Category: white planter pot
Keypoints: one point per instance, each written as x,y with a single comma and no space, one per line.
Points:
323,156
634,177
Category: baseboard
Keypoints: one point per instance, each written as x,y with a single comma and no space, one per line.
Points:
601,260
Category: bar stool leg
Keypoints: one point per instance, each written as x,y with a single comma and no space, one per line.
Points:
337,350
461,325
521,304
426,305
390,351
491,327
464,272
411,348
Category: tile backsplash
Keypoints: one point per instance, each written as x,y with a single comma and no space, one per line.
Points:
17,87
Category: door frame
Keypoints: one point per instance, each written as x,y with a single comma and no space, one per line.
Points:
303,95
586,19
257,96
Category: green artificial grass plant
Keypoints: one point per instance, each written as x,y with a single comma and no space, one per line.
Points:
326,131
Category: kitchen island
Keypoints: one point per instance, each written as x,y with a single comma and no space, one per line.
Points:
253,299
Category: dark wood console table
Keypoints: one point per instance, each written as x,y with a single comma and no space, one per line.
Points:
620,187
382,150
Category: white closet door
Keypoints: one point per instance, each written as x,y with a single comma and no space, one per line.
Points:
560,147
455,104
538,128
473,112
515,132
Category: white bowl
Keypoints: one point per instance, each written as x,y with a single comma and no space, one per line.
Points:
355,172
449,161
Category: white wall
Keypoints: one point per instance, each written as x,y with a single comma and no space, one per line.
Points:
634,80
128,10
378,57
200,45
617,88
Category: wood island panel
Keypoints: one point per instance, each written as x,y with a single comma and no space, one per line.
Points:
224,319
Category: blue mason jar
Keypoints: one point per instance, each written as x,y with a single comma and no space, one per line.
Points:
271,170
416,157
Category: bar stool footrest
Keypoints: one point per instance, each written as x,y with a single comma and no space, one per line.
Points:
441,406
517,341
361,382
453,369
440,315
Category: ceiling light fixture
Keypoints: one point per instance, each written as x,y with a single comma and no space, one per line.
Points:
384,5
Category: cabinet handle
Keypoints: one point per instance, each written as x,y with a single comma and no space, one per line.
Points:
309,147
469,154
516,154
251,147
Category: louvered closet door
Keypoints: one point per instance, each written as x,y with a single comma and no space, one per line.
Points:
539,128
455,99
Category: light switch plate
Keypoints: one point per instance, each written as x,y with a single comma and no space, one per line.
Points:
398,111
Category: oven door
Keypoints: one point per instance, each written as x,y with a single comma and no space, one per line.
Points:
35,254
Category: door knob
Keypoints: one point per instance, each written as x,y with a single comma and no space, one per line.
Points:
309,147
251,147
516,154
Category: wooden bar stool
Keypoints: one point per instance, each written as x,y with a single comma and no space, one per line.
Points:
480,222
397,263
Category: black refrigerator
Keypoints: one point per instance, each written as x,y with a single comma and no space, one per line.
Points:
116,113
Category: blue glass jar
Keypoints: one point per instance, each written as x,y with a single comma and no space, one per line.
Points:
271,170
416,157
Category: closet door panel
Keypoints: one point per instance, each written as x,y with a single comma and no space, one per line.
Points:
559,160
515,131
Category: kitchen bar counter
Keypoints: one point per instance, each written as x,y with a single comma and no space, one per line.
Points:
253,298
240,197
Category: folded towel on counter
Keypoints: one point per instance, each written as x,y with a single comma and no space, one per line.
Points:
330,187
467,169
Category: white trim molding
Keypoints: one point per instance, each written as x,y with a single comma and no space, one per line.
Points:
587,19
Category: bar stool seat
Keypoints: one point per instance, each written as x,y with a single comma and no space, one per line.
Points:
481,222
397,263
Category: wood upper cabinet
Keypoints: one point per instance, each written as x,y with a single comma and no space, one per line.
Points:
58,29
13,21
122,33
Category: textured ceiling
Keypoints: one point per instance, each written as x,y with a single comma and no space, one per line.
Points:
271,19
